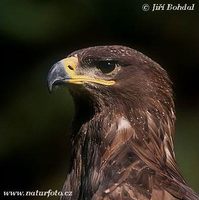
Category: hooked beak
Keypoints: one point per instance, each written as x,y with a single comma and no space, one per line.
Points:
56,75
65,72
62,72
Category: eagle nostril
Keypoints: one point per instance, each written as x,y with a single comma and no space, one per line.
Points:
70,67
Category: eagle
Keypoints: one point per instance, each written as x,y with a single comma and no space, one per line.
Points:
123,128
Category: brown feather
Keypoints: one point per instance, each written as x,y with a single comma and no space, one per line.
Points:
123,134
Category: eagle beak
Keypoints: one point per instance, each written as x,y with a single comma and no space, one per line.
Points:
65,72
56,75
62,72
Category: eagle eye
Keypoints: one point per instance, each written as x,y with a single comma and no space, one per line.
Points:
106,66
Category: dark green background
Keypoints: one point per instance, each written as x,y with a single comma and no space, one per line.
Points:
35,34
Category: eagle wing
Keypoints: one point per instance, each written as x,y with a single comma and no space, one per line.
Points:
138,166
155,148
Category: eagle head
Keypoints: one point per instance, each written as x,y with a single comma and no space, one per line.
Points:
115,73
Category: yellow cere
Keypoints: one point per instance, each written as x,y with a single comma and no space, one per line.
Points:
70,65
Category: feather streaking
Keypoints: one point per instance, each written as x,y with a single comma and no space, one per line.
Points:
123,128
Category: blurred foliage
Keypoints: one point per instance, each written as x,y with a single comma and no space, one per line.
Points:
34,34
31,113
186,146
35,21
